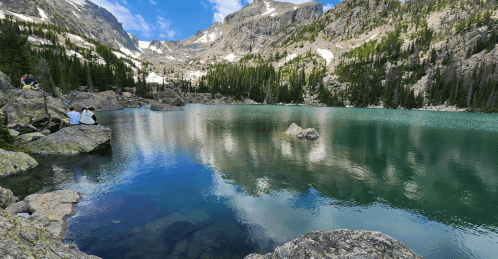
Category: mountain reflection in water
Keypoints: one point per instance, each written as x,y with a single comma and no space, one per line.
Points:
428,179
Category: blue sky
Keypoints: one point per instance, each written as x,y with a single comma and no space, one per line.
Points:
175,19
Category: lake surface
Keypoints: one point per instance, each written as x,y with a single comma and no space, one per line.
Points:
225,181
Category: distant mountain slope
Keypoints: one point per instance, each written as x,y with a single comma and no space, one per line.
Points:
88,18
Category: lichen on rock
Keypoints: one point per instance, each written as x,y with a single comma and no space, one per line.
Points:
15,162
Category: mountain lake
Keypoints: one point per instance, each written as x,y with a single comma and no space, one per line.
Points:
226,181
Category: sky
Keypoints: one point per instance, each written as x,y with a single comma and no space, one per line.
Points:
176,19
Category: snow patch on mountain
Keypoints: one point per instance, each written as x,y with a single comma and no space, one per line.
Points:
39,41
153,78
72,53
2,15
338,46
167,47
170,58
327,55
269,10
230,57
42,14
20,16
76,14
72,3
153,48
193,75
291,57
143,44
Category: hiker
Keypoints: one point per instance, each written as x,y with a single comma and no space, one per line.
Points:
73,118
22,80
88,117
30,83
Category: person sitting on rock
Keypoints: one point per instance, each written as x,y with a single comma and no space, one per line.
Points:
88,117
30,83
73,118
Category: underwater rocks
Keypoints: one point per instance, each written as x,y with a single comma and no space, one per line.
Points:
15,162
297,132
73,140
340,243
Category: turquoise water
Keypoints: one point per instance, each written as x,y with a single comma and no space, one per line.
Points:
225,181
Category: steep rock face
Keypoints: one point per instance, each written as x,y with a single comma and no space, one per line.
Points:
73,140
84,17
340,243
252,26
15,162
28,107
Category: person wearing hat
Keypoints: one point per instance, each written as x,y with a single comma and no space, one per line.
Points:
30,83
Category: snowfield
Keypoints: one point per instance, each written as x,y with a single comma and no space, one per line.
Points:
152,78
230,57
42,14
193,75
291,57
327,55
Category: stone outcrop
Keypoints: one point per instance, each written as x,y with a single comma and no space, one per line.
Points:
50,209
164,107
253,25
102,101
27,138
73,140
39,236
297,132
6,198
28,107
15,162
340,243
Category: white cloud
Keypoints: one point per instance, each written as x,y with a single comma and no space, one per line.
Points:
327,7
152,2
165,28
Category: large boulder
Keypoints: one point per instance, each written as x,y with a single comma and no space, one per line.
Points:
15,162
170,97
51,209
104,101
340,243
6,198
27,138
28,107
73,140
293,130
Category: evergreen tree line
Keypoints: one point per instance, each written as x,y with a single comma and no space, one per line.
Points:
19,57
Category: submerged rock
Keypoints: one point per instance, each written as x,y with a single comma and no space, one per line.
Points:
50,209
164,107
15,162
340,243
6,198
297,132
73,140
178,230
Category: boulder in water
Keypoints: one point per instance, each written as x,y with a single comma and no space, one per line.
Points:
15,162
297,132
164,107
340,243
73,140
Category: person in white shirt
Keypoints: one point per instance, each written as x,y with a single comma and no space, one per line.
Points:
88,117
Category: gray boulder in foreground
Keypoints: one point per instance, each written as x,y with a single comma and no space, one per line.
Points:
40,235
15,162
340,243
50,209
297,132
73,140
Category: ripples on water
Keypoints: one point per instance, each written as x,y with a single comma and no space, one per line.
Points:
225,181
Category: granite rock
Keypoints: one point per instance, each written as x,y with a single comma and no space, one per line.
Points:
340,243
6,198
15,162
73,140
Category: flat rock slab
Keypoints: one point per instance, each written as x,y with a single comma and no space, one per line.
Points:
51,209
73,140
22,238
340,243
15,162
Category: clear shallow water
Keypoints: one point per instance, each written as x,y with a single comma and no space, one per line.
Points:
225,181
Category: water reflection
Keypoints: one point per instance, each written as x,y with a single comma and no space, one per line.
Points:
427,179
